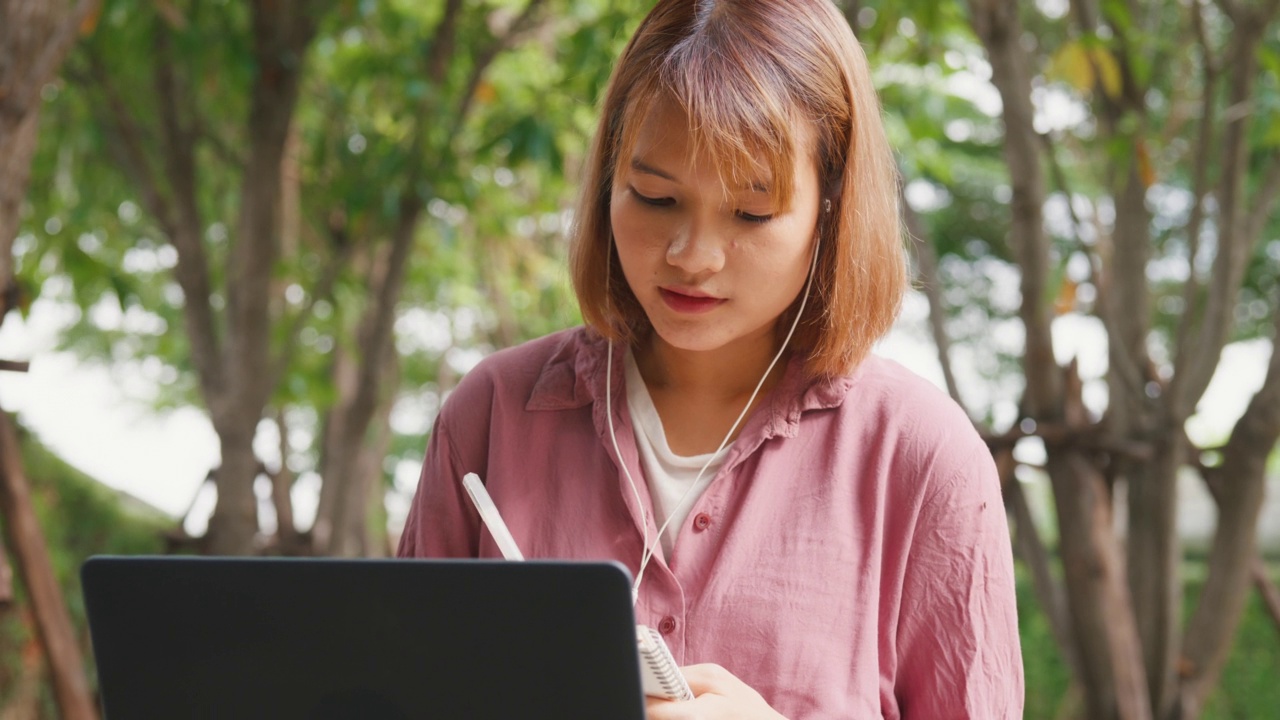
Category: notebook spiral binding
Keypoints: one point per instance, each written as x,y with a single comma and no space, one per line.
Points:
660,675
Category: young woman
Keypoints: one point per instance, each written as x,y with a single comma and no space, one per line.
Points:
815,531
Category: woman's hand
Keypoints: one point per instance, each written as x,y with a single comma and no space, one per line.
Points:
717,693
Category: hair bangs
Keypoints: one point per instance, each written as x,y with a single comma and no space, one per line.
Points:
740,113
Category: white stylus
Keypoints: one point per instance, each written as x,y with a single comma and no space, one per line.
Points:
492,519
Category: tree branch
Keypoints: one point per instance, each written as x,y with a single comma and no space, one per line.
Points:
178,217
48,604
16,152
388,282
442,40
18,100
1060,181
6,577
281,33
1264,200
1087,14
495,262
201,130
130,149
1191,310
281,489
998,26
1238,487
1231,8
523,23
343,498
323,290
1127,368
192,269
850,9
1233,243
1030,547
931,285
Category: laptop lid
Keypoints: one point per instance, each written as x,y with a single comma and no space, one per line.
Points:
238,638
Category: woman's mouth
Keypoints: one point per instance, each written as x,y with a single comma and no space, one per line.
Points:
691,304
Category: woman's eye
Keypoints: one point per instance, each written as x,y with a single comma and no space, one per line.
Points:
654,201
758,219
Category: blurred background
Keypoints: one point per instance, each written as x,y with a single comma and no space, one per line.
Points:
247,248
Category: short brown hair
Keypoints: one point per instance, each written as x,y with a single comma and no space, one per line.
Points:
746,73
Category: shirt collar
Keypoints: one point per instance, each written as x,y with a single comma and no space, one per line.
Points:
574,376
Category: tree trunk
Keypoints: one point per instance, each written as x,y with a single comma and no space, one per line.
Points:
281,33
31,556
1239,488
6,578
233,526
1107,643
1155,560
370,466
288,539
1102,615
16,151
35,37
361,381
231,357
1135,414
352,471
1031,550
332,533
927,273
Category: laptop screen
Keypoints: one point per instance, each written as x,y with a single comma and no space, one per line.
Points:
325,638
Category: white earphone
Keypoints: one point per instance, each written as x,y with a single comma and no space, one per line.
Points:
648,551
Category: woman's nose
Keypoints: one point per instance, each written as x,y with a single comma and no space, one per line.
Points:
696,249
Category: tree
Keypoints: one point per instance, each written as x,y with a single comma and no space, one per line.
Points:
1155,123
403,168
34,39
228,328
364,374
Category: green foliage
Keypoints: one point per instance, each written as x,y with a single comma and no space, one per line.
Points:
1047,676
489,152
1248,688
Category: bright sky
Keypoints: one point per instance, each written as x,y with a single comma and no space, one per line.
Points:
83,414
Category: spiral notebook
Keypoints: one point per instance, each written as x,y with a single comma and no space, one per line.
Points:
370,639
659,674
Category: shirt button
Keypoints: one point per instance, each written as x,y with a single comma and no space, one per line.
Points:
701,521
667,626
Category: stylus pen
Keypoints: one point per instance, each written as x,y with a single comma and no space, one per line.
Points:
491,517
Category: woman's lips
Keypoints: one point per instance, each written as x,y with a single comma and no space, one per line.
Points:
691,304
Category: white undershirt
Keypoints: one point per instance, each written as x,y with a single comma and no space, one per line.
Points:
669,475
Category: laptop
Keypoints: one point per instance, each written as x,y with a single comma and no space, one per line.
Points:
329,639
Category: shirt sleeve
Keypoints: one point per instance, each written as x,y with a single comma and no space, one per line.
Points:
959,654
441,522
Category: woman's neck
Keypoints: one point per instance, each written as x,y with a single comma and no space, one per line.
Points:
728,372
699,394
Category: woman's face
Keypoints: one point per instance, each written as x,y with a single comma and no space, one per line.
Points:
712,266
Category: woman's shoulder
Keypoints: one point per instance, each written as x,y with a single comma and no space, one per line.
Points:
512,374
913,413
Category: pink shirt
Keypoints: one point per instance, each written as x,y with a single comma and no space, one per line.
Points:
851,559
